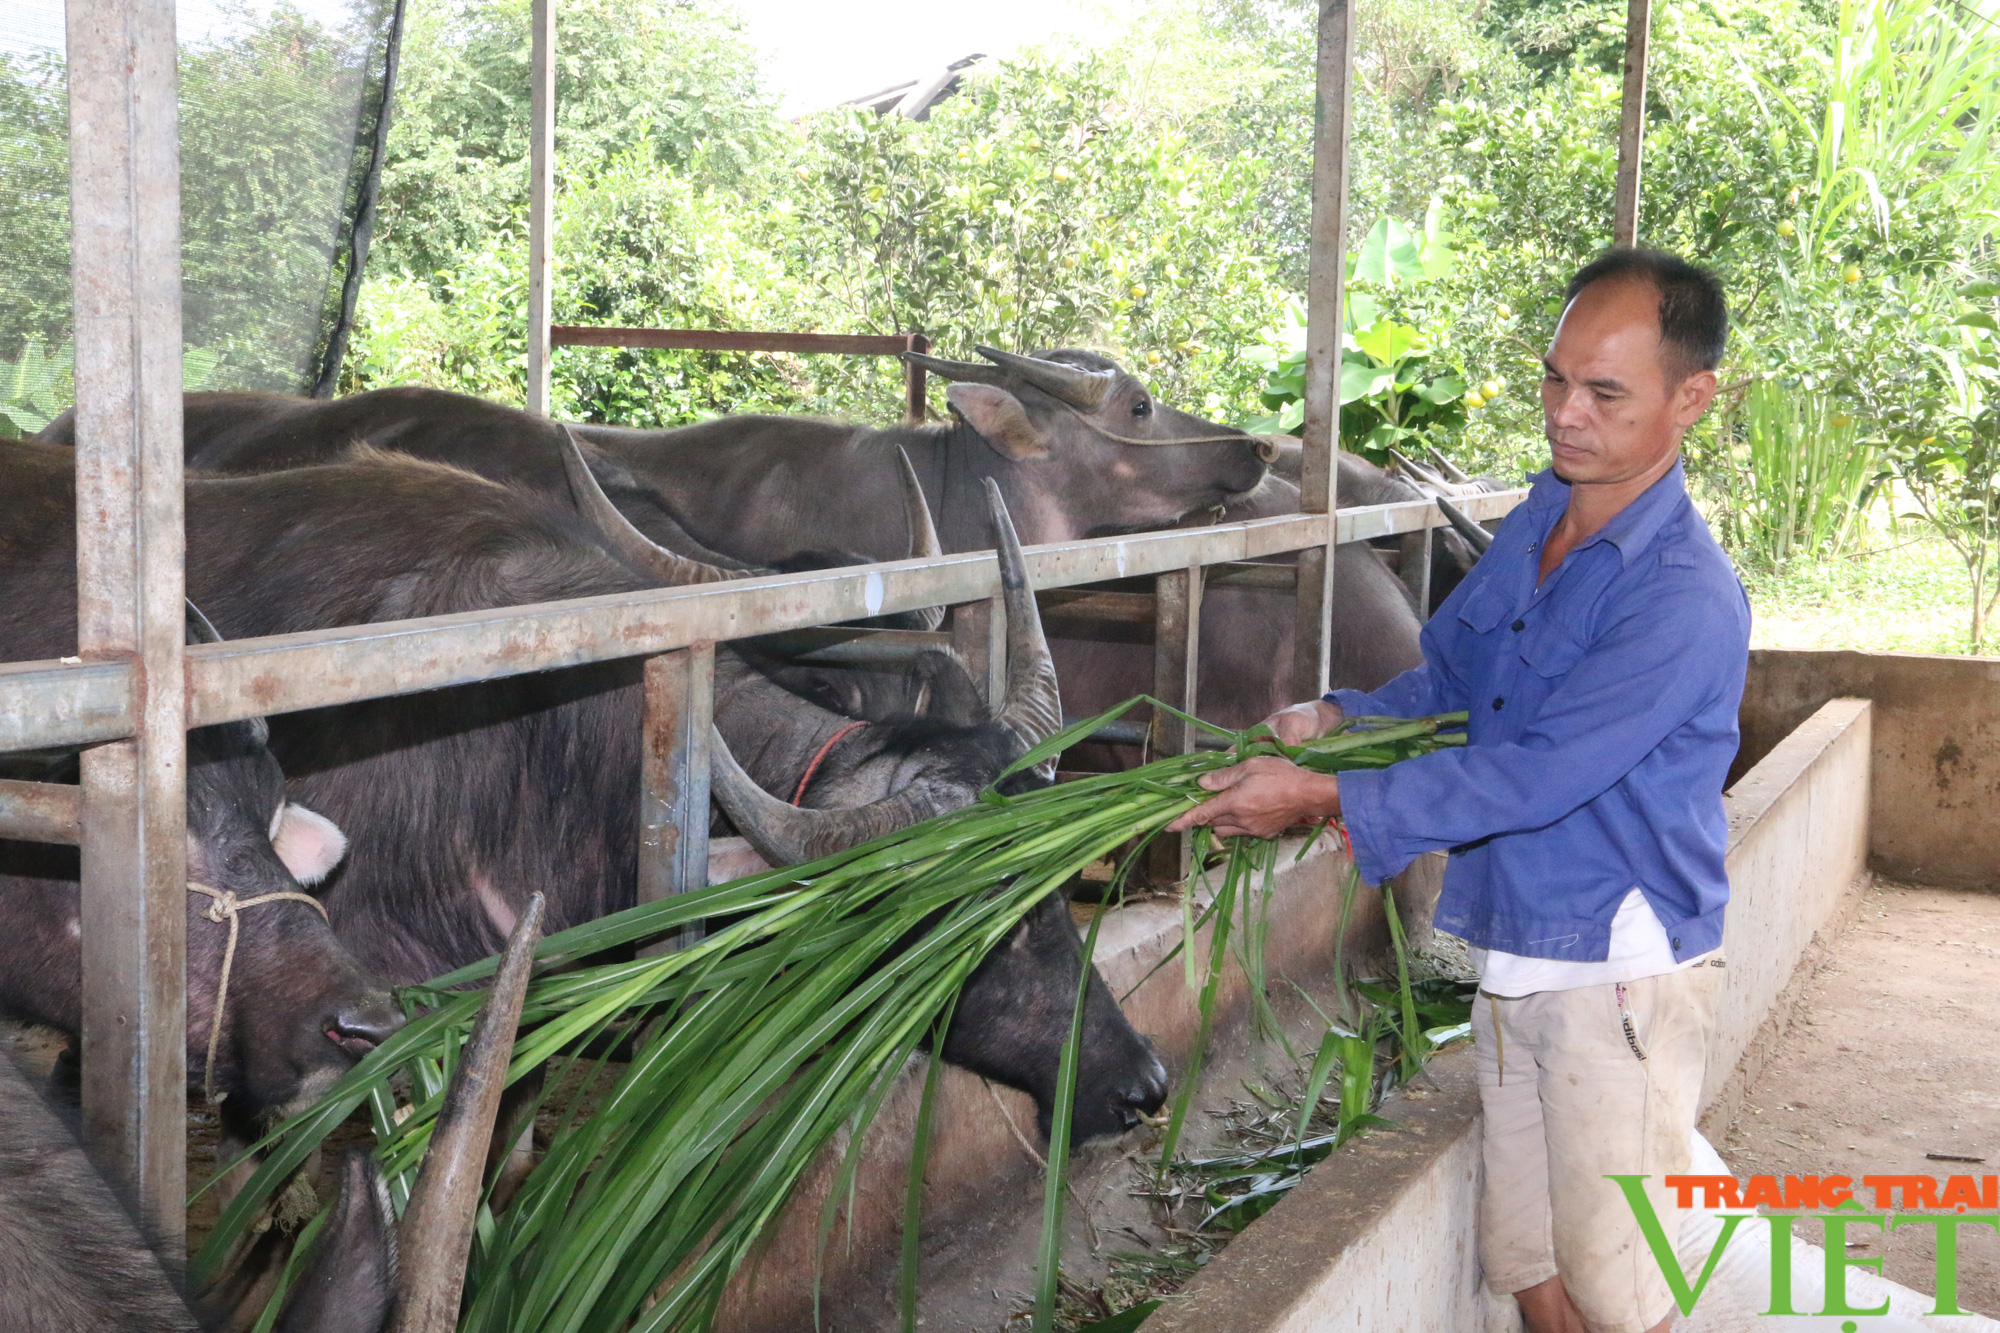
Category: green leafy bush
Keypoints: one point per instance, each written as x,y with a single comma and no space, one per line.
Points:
1394,393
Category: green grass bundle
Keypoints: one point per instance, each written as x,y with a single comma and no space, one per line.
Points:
749,1049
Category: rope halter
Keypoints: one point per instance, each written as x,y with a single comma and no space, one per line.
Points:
226,908
1232,437
805,780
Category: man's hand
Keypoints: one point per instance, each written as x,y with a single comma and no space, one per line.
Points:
1262,797
1304,722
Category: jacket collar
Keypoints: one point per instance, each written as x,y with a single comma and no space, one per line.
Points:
1632,528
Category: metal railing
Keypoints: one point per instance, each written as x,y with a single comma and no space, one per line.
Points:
47,705
52,705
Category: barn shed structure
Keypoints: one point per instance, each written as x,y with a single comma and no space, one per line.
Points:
135,686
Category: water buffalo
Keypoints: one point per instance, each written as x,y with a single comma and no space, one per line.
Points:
1247,631
1247,636
72,1260
1076,445
464,801
1453,550
299,1009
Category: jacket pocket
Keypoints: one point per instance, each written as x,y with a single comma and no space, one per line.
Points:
1551,650
1485,608
1628,1024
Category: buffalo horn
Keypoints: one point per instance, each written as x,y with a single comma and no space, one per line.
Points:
960,372
924,544
1450,470
1477,537
1416,472
1081,389
435,1236
787,834
616,529
1032,707
200,629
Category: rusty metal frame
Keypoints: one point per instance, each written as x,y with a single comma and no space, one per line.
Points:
1326,279
125,271
541,198
52,704
1631,124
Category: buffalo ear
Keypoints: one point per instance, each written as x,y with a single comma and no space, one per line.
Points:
1000,420
309,843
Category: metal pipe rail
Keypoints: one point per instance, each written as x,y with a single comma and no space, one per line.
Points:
45,705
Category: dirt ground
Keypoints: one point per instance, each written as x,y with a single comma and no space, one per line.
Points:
980,1279
1895,1055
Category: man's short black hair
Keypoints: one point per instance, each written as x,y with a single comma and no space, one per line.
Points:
1694,319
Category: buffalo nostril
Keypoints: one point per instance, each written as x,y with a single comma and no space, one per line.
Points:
1148,1091
360,1028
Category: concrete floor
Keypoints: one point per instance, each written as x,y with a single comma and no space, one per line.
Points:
1896,1054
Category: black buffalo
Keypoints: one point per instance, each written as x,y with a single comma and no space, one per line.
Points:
300,1008
464,801
1076,445
72,1259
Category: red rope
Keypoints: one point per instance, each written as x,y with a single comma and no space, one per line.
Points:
820,758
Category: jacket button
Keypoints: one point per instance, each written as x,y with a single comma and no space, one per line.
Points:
1677,946
1520,625
1499,703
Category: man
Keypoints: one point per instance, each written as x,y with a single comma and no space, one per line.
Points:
1600,647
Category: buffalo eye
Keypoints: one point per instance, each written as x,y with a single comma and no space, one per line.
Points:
1143,408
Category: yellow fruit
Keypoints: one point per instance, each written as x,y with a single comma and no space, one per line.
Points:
1138,291
1504,311
1473,401
1490,389
1502,382
1851,274
1152,358
1062,173
1786,229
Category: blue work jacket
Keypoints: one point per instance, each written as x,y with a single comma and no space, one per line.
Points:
1603,724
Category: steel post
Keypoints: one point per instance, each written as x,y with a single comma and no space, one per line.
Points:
1325,280
125,247
541,197
1631,124
673,800
915,382
1176,681
979,633
1416,569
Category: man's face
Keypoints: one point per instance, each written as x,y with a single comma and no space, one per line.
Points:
1609,410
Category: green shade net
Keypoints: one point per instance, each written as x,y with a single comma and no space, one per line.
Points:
284,111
